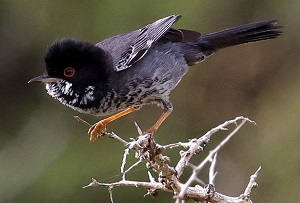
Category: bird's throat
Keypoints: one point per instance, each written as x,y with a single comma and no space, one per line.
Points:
81,100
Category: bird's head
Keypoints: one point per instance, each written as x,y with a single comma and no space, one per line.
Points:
74,61
73,69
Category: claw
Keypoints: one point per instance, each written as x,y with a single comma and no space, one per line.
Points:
96,130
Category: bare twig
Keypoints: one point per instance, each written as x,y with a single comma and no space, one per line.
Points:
210,156
92,184
147,150
151,178
126,153
110,190
196,145
212,170
129,183
82,121
131,167
252,184
116,137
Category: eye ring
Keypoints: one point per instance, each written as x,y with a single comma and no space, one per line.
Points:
69,72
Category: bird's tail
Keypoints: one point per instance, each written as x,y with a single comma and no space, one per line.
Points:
252,32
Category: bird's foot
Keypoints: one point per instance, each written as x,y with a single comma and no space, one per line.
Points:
96,130
149,131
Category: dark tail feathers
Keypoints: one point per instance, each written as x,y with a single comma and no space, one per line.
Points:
251,32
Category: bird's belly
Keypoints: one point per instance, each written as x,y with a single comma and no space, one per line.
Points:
113,103
136,99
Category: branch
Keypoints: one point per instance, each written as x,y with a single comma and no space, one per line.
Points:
196,145
151,153
211,154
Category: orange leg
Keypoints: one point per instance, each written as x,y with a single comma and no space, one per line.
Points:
99,127
161,119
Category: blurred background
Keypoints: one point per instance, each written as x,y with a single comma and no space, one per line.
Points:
45,155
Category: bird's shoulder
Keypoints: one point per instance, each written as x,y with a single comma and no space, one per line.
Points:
118,44
127,49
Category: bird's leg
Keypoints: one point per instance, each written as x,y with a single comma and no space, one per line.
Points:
167,111
99,127
161,119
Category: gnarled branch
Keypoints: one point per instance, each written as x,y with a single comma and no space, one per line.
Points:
147,150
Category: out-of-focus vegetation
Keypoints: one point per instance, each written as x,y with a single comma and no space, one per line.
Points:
45,155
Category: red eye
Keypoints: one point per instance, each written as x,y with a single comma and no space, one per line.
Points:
69,72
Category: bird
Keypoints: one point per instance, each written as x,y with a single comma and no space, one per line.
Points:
123,73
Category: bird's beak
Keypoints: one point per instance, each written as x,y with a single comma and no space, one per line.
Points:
43,78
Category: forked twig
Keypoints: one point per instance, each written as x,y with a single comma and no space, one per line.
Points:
147,150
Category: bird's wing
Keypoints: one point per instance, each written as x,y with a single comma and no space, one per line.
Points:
146,37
